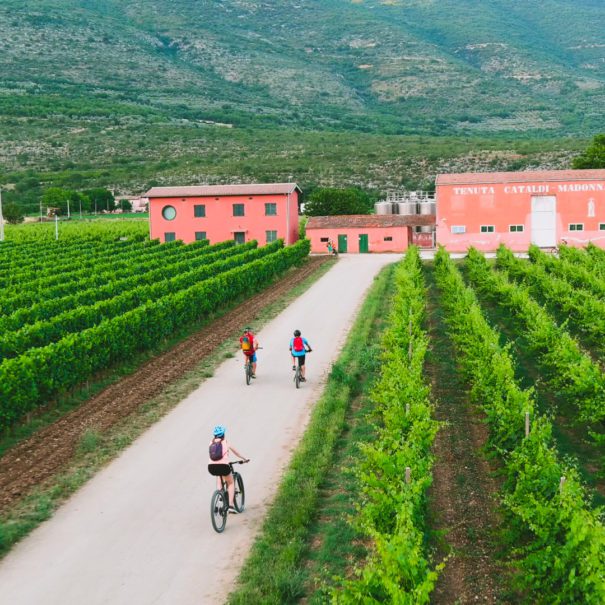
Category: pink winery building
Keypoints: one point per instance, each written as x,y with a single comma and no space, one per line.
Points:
264,212
365,232
520,208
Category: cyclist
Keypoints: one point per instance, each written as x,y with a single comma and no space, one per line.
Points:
249,345
222,464
299,347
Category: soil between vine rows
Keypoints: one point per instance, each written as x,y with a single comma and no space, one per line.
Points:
463,498
41,456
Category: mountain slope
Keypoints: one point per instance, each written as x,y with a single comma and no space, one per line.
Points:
409,66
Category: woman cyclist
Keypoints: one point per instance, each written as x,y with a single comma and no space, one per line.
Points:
299,347
220,467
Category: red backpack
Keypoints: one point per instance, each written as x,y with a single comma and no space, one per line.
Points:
247,343
298,345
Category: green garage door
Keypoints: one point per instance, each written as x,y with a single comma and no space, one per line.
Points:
363,242
342,243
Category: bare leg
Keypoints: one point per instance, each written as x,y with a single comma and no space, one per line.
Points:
230,488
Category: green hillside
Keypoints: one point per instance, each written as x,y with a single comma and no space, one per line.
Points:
92,85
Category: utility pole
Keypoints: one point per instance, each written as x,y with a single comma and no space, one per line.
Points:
56,225
1,219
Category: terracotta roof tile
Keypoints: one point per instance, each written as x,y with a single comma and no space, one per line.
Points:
472,178
218,190
367,221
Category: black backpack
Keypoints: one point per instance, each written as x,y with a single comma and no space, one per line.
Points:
216,450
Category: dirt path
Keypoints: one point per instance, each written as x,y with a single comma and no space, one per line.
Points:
462,498
139,532
42,455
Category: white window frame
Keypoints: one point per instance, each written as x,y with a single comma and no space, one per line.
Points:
458,229
575,227
517,228
271,238
487,229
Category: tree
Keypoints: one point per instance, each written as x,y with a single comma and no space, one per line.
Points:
12,213
594,156
101,199
125,205
327,201
79,201
57,197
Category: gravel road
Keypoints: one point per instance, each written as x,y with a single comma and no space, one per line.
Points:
140,532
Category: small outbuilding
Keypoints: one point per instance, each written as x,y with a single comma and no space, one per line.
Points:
365,232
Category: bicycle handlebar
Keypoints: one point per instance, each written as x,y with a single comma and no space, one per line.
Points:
240,461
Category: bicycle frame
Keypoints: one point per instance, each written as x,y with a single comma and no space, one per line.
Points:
219,503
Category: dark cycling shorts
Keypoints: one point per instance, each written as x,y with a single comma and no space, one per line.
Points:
219,470
301,360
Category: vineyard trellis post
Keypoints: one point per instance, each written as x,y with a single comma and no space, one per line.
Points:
527,424
408,474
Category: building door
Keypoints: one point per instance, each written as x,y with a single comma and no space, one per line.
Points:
363,242
239,237
342,243
544,221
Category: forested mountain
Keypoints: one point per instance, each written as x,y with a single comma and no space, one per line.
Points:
471,68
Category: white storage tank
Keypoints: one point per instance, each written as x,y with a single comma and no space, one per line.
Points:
383,208
406,208
426,208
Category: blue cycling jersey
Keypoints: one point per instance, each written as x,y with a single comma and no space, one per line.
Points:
298,353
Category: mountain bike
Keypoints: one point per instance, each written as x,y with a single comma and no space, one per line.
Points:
298,374
219,503
248,368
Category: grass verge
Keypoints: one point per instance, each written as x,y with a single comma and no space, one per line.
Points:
275,573
98,448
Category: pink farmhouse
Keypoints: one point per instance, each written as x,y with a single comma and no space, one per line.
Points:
520,208
264,212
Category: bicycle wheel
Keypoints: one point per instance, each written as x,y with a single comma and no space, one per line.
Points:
239,498
297,377
248,370
219,506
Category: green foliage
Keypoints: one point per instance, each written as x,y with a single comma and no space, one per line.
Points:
125,205
329,201
12,213
39,374
559,539
593,156
101,199
56,198
390,511
570,370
